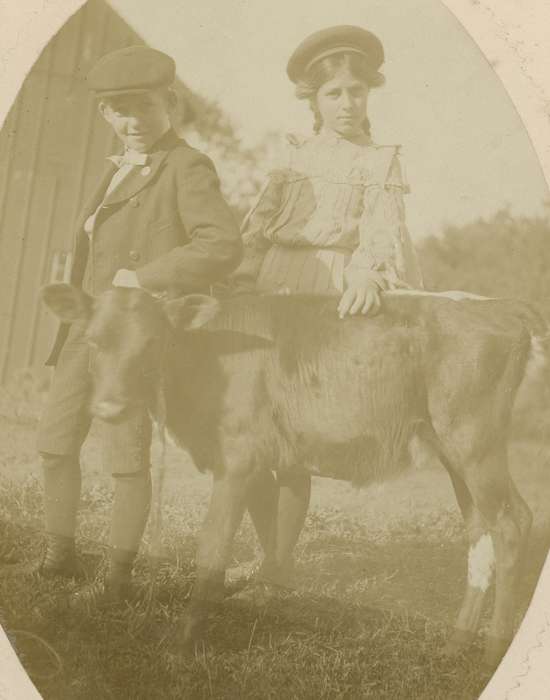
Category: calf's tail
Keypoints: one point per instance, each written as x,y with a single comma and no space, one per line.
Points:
539,331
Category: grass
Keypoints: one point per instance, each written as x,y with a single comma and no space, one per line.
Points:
380,575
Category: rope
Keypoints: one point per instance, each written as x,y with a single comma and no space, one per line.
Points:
48,647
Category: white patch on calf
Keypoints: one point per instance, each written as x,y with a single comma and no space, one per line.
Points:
537,358
481,563
536,362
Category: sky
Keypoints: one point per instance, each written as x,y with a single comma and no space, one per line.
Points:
464,147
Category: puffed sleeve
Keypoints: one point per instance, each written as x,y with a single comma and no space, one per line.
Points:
385,250
255,226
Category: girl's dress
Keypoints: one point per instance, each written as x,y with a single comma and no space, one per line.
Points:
332,204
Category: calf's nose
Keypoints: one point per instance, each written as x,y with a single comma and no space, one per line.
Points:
107,410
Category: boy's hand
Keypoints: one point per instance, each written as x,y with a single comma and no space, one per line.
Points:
126,278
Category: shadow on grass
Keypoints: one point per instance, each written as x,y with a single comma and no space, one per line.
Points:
364,622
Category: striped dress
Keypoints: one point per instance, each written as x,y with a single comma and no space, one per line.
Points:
331,204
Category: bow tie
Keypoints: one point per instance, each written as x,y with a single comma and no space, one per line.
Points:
130,158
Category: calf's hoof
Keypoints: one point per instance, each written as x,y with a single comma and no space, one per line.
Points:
458,642
495,648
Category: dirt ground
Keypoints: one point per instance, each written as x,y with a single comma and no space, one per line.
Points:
380,574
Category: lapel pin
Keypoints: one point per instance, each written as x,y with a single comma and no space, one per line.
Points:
146,171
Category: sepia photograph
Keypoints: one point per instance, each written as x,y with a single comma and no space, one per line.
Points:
274,352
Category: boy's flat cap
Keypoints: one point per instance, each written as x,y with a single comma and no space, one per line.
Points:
133,69
332,40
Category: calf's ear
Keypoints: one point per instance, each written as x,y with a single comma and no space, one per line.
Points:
192,311
68,303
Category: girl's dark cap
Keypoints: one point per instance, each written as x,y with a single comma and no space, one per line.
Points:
333,40
133,69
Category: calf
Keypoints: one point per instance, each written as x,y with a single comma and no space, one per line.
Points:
259,383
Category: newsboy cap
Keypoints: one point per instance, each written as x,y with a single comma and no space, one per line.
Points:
133,69
333,40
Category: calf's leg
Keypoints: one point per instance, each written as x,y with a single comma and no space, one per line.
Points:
510,531
481,563
225,512
508,520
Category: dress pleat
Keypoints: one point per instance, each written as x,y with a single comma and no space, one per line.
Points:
303,271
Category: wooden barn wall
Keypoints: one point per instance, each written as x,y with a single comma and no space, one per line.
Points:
52,149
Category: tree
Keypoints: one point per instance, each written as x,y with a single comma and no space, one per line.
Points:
502,256
241,170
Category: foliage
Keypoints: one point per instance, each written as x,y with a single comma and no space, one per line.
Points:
241,170
501,257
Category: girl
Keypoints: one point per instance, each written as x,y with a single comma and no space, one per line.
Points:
329,221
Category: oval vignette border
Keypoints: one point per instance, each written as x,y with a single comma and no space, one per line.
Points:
511,36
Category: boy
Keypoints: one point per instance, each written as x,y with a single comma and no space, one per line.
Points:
158,221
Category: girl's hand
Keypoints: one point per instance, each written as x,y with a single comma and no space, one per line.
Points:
361,294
